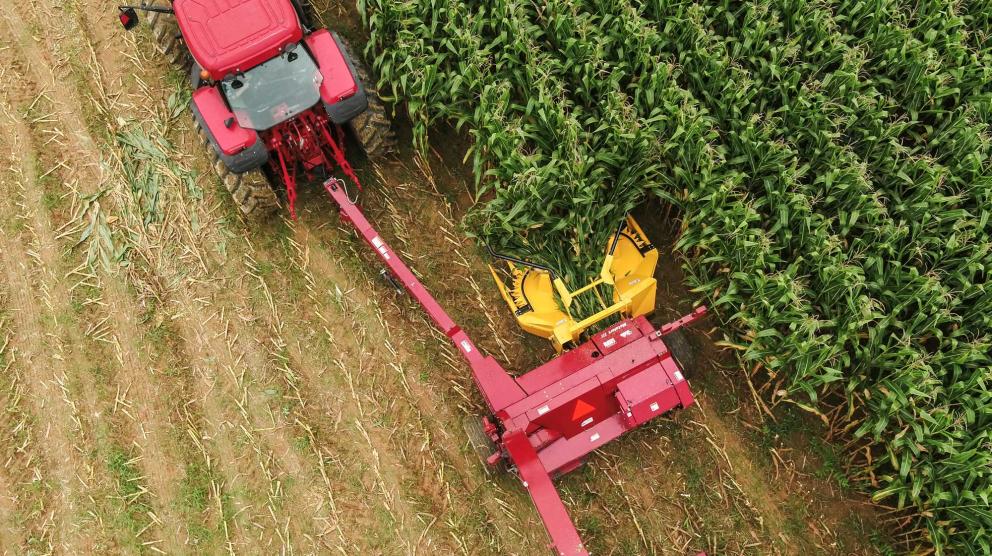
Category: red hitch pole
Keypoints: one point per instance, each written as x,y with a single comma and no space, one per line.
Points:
497,386
564,538
692,317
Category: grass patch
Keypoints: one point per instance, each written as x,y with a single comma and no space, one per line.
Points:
194,490
858,533
83,294
774,433
794,427
831,468
302,444
194,500
132,515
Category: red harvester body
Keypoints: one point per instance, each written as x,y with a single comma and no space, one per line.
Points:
547,421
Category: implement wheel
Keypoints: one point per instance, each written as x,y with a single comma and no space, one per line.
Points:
480,442
682,350
370,128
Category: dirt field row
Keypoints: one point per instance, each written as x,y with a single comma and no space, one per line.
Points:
176,382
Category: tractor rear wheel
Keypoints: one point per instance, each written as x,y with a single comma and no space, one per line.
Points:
252,191
370,128
167,38
304,9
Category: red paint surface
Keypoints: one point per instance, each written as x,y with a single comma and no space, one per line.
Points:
305,143
565,539
231,139
230,36
338,82
646,395
582,408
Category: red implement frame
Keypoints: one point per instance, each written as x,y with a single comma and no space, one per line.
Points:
307,142
549,419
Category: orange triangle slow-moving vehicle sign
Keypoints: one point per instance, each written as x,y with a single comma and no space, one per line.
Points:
581,410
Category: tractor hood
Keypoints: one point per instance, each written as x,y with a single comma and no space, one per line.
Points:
231,36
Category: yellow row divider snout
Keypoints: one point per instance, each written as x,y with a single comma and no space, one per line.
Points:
542,303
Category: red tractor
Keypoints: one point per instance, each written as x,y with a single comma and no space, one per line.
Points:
271,95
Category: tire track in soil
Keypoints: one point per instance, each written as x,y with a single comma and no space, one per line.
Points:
232,366
391,381
240,352
318,418
338,372
48,356
235,409
20,506
26,519
168,461
198,348
145,426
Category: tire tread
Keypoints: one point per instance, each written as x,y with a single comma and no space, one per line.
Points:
371,128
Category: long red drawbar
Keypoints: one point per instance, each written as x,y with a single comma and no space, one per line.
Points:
548,420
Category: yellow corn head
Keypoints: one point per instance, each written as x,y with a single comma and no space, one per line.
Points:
541,301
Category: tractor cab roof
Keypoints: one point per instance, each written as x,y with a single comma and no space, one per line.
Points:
230,36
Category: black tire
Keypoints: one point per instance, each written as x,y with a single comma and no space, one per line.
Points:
252,191
305,11
194,75
168,41
370,128
480,442
682,350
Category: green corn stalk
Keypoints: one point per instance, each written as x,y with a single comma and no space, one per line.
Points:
831,164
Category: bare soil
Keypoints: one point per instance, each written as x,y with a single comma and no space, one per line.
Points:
176,381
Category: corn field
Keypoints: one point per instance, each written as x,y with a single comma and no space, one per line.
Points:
830,163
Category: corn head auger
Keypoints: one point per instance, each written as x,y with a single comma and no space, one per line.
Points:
272,99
